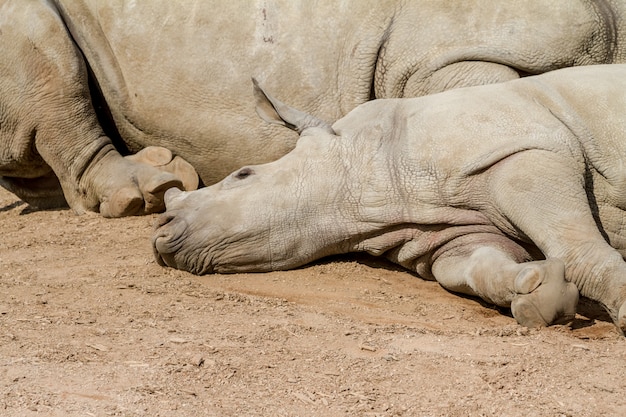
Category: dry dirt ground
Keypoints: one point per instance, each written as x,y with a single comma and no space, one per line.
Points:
90,325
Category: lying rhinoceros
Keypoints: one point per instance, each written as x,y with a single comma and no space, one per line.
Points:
513,192
175,74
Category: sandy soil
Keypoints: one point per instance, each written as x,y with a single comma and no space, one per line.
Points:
90,325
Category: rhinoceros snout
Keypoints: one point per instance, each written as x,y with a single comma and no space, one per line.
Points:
178,238
163,258
163,255
168,239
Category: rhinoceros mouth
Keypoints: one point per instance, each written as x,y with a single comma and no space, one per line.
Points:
168,241
174,246
164,253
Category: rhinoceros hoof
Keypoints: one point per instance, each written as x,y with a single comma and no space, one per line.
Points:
163,159
125,202
543,294
145,199
152,155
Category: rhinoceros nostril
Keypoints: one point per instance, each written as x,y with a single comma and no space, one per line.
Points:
164,219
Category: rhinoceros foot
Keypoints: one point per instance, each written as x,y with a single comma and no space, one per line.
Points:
145,198
154,170
543,295
135,185
163,159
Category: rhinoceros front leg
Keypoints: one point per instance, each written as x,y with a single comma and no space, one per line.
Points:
542,195
47,121
537,291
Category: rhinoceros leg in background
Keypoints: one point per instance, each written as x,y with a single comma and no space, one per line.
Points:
43,192
47,122
537,292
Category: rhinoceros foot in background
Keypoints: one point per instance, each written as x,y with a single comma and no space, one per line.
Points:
175,74
512,192
141,194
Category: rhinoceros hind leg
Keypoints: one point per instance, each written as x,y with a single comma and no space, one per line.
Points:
42,192
500,273
543,294
557,215
163,159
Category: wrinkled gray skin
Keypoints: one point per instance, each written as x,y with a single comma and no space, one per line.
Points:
176,73
513,192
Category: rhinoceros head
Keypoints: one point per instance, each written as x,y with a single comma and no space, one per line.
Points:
273,216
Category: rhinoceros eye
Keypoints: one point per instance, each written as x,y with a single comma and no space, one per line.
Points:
244,173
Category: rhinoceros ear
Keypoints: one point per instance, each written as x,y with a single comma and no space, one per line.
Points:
274,111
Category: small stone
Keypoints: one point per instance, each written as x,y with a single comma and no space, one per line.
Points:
197,360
